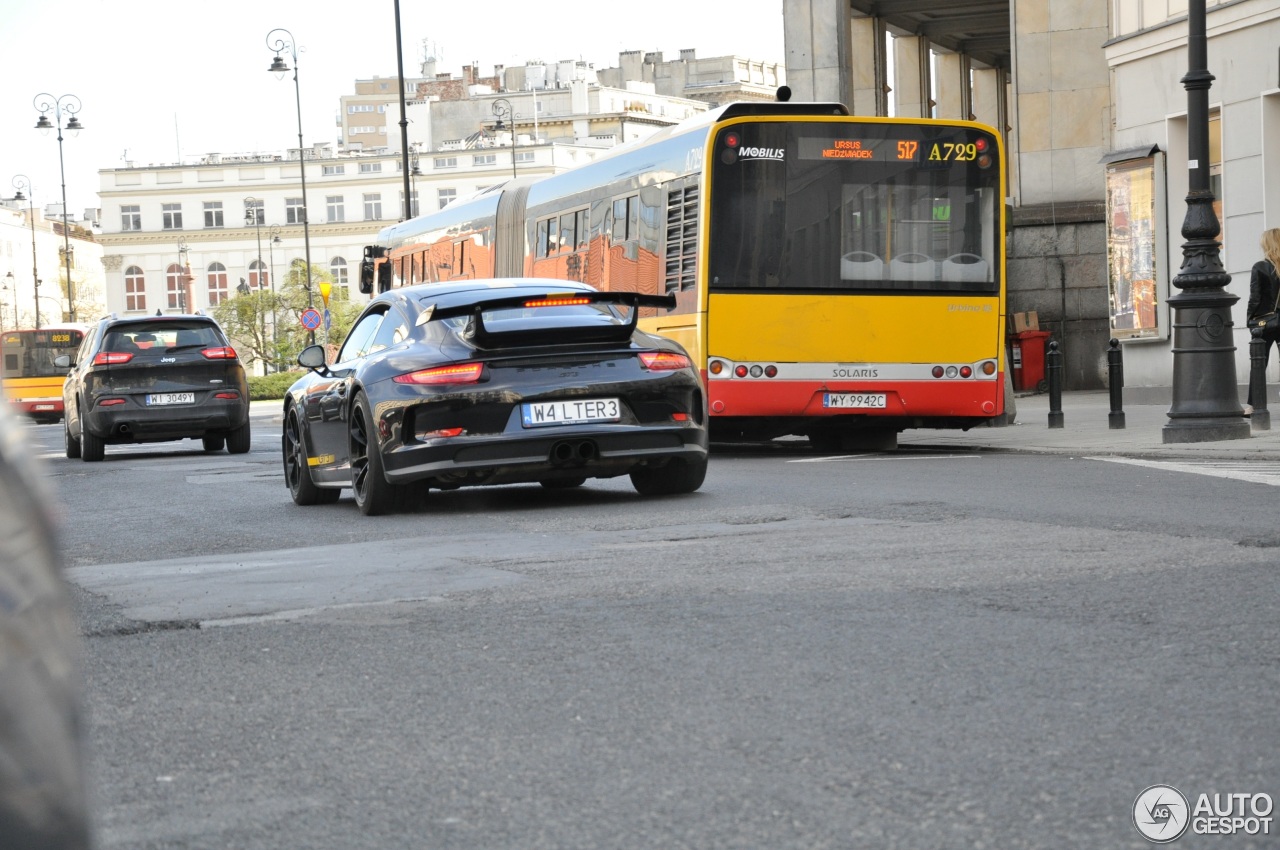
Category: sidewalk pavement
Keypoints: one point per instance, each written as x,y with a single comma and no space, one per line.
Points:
1087,431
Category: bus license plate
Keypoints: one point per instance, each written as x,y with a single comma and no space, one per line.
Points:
849,401
570,412
170,398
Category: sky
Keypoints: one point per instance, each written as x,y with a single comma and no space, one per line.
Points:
163,82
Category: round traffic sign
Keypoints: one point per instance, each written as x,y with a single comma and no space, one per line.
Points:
310,318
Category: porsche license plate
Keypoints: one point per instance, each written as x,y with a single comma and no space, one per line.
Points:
570,412
155,399
854,401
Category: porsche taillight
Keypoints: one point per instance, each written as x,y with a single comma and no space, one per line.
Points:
663,361
458,373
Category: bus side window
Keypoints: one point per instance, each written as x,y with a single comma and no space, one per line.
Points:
540,246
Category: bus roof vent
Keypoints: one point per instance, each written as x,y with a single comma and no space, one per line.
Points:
764,107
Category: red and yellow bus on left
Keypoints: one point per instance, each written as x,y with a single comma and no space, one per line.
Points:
32,384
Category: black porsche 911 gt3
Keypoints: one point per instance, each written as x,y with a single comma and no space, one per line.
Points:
494,382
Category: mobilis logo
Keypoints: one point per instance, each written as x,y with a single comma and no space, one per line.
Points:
736,151
775,154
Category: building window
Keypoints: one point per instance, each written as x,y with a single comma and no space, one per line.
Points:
484,159
446,196
338,268
372,206
334,209
258,277
135,289
294,213
213,214
130,217
524,156
370,167
254,212
175,277
333,170
172,216
413,194
217,284
446,162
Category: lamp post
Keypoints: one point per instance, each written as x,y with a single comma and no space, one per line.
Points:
273,239
10,285
415,172
184,277
21,182
70,104
404,122
279,40
502,110
1206,403
251,217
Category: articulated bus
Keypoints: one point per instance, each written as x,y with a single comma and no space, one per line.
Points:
32,384
835,277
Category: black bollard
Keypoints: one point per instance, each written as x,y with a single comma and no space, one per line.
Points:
1115,377
1260,419
1053,366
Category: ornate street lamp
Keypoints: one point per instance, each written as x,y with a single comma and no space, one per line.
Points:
279,40
1206,403
502,111
70,104
21,182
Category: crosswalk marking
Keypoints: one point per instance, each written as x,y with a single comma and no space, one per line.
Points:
1253,471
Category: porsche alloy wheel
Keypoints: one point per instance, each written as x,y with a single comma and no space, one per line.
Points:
297,472
374,494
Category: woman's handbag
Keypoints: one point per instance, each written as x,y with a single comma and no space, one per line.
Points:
1267,326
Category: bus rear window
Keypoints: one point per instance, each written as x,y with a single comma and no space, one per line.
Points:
855,207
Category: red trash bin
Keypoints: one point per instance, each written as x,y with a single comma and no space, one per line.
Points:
1028,360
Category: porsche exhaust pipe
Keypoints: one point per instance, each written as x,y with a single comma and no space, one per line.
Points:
573,453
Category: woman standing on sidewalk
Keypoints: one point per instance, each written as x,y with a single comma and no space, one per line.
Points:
1264,292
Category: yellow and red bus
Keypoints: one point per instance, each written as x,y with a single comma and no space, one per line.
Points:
32,384
836,277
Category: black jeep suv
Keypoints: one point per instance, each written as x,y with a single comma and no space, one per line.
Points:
145,379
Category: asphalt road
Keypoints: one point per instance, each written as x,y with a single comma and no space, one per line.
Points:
913,649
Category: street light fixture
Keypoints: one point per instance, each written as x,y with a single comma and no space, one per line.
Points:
21,182
70,104
501,111
278,40
1205,401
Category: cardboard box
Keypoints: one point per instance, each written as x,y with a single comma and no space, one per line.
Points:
1025,322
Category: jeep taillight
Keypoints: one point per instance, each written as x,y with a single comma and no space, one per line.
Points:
111,358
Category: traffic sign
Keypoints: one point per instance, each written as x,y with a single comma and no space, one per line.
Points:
310,318
326,319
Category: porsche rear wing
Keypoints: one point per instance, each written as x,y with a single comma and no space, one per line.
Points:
485,337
